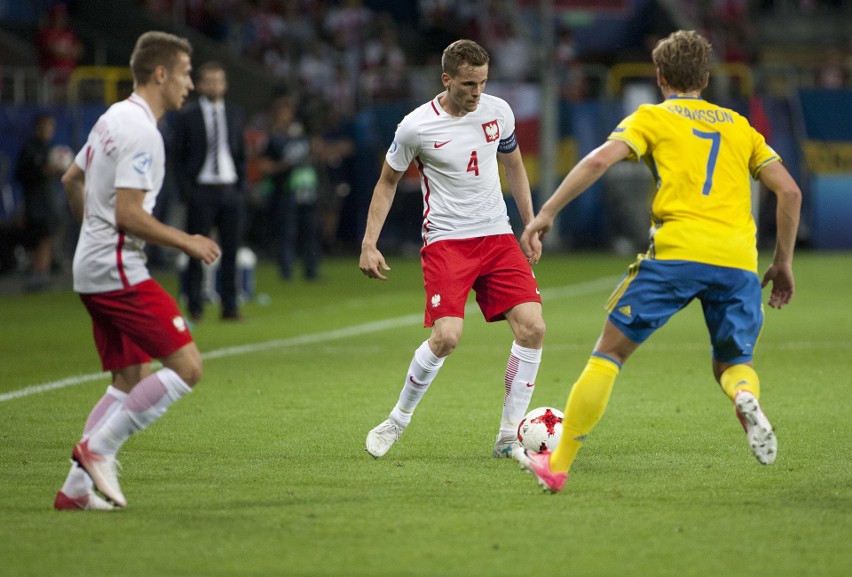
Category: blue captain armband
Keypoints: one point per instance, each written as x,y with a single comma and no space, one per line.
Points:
507,145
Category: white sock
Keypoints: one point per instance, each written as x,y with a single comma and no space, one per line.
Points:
422,371
103,409
520,383
146,403
78,483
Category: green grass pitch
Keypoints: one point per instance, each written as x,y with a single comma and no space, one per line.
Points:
262,471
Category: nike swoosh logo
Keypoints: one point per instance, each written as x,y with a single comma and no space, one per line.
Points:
530,385
440,144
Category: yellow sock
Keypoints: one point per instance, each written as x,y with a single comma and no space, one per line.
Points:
740,378
586,405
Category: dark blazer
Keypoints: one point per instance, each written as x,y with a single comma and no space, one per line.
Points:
190,144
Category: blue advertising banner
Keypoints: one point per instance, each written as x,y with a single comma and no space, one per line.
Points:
828,157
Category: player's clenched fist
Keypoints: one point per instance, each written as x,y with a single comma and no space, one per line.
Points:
203,248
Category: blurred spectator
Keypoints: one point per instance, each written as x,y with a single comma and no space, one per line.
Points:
10,220
385,71
569,69
351,19
513,55
317,67
300,28
59,48
438,28
279,58
832,72
256,135
728,27
347,58
383,46
342,93
335,154
38,170
268,26
242,33
288,162
217,18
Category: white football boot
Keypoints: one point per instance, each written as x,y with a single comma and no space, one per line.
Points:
88,502
102,470
761,437
382,438
504,445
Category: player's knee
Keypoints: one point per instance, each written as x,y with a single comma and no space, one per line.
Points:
193,374
444,342
187,364
531,334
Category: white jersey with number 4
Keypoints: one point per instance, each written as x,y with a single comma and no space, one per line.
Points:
124,150
456,157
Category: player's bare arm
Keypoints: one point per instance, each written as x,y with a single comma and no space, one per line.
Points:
519,186
372,262
74,182
789,196
131,217
581,177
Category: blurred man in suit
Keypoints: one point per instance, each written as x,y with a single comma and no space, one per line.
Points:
210,161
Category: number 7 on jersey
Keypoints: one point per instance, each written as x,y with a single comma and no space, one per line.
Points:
715,143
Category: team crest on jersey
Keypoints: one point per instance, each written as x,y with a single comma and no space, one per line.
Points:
436,301
142,162
179,323
492,131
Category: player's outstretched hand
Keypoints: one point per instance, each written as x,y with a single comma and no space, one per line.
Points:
203,248
531,238
372,263
783,285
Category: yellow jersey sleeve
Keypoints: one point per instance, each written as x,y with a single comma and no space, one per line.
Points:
702,157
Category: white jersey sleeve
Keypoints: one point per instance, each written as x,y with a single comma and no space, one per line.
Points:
133,167
405,146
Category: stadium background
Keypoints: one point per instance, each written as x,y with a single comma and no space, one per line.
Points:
785,64
262,471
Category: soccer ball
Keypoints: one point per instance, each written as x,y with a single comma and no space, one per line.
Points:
59,158
541,429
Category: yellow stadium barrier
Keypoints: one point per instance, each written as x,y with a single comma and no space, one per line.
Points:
618,73
110,78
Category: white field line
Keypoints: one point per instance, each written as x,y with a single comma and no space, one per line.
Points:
575,290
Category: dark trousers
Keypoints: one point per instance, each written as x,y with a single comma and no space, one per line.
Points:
296,231
220,206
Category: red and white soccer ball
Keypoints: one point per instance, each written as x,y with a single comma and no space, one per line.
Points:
541,429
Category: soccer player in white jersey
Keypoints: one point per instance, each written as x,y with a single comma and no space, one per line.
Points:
112,187
455,141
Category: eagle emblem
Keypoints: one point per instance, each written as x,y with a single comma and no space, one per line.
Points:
492,131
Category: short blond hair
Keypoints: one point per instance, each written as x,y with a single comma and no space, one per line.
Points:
156,49
462,52
683,58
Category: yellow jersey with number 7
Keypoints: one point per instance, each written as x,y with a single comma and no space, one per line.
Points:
702,157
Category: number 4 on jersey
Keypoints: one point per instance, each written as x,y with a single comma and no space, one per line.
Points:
473,164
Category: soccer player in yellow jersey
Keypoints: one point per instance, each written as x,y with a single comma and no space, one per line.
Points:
703,246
